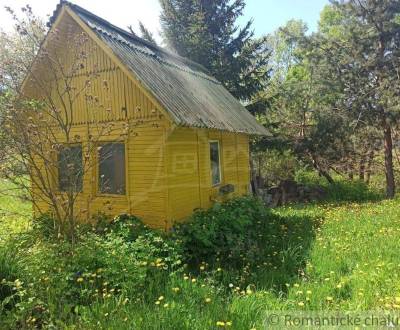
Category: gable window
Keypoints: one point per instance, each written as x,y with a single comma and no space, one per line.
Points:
112,168
70,169
215,163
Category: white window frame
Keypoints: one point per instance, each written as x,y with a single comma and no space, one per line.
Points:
219,162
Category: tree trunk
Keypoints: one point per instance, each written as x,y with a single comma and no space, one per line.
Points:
321,171
369,165
388,145
253,180
361,170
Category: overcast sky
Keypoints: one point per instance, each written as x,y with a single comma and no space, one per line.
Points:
268,15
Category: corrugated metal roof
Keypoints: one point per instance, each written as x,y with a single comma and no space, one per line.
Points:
190,95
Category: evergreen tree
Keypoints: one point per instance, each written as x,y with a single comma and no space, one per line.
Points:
146,34
206,31
359,47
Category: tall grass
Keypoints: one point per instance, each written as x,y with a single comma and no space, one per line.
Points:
329,256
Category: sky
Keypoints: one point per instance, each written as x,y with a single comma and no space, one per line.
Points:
267,15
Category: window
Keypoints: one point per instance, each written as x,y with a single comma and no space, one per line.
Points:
215,163
112,169
70,169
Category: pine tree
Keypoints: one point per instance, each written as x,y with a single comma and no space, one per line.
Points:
365,59
206,31
146,34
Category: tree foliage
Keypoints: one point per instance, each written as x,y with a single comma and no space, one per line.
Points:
207,32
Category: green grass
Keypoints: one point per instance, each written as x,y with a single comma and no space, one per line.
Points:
346,256
14,212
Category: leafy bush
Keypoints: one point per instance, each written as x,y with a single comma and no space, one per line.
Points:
232,234
123,259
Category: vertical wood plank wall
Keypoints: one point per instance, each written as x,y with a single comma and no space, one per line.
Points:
189,169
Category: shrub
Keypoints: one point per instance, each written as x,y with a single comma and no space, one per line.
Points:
231,234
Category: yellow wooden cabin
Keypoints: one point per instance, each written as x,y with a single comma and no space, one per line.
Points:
186,141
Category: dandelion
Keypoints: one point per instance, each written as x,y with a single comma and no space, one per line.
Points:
329,298
157,302
79,279
193,280
301,304
220,324
166,305
230,285
161,298
185,277
175,289
228,323
208,300
309,291
202,268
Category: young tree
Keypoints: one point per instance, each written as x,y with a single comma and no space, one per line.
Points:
207,33
38,118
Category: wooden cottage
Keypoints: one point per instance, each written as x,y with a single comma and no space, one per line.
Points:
186,138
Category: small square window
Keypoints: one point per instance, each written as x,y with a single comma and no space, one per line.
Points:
215,163
112,169
70,169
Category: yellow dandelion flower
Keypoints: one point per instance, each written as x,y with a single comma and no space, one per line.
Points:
220,324
166,305
193,280
228,323
157,302
329,298
161,298
79,279
208,300
301,304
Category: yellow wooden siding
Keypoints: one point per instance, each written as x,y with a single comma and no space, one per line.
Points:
183,174
148,190
189,170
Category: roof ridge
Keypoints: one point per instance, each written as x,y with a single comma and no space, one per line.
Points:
132,46
205,73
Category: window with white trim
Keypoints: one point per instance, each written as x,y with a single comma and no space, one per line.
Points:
70,169
112,168
215,161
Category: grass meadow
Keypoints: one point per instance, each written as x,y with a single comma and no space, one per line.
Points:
340,255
